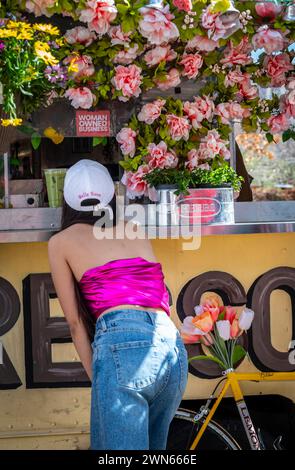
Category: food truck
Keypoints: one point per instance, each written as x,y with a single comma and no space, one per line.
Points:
247,257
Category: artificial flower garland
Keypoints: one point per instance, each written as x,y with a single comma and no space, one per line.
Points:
126,48
176,142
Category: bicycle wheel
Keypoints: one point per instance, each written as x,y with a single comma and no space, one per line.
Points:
183,430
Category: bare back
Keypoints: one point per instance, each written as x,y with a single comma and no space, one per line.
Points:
82,250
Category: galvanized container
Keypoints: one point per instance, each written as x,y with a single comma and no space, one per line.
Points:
208,205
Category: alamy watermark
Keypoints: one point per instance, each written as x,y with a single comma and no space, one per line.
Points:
150,221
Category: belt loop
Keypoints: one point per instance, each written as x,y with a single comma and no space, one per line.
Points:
103,324
152,318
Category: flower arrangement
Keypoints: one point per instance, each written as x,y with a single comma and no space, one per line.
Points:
175,142
218,328
125,48
25,58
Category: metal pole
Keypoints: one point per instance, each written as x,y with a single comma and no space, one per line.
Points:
6,180
232,146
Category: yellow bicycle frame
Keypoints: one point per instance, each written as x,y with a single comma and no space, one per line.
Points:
232,381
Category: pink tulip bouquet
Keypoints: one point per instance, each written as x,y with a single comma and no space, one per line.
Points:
217,327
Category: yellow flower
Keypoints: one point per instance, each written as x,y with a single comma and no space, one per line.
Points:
46,28
60,42
73,67
42,50
11,122
219,6
52,134
28,35
7,33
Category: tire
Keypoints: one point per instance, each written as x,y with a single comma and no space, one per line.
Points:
183,430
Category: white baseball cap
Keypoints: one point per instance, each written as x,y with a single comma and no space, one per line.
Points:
88,180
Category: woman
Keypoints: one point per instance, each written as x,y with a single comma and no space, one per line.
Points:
136,361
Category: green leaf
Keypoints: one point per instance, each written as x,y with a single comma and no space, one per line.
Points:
269,137
221,316
239,353
286,135
35,140
122,9
26,129
99,141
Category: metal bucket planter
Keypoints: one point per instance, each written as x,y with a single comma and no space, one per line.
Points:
204,205
207,205
165,212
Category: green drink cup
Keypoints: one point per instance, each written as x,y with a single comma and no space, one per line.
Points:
55,183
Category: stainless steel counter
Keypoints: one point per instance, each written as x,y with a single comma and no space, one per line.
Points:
38,224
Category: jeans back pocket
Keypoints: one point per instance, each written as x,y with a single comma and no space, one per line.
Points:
137,363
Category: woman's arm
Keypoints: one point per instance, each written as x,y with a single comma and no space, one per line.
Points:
63,280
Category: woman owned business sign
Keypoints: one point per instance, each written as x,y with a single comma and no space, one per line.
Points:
93,123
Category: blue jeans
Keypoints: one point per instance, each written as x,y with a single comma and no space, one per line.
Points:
140,370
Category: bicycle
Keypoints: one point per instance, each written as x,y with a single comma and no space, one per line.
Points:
199,431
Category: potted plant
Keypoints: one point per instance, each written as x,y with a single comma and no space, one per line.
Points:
173,147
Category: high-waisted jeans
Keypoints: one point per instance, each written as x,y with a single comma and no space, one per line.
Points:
140,371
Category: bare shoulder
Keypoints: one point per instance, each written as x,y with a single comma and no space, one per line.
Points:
56,241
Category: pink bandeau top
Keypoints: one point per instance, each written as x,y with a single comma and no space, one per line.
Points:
133,281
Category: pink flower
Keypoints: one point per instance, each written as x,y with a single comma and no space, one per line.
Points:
287,104
80,97
118,37
159,54
151,111
276,67
269,39
135,184
201,43
233,77
192,64
80,35
247,90
159,157
222,110
98,15
216,29
189,333
230,111
171,81
193,161
126,138
39,7
201,108
183,5
238,55
128,81
235,329
212,145
156,25
84,65
278,123
230,313
268,10
178,127
127,56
